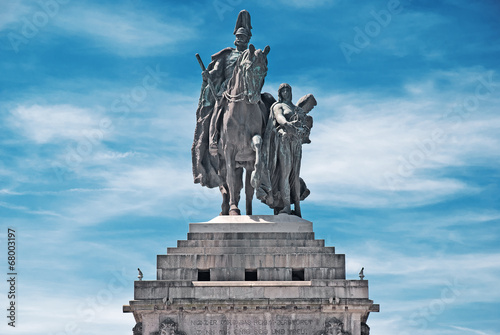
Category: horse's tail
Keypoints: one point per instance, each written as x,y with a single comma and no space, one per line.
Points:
268,100
259,161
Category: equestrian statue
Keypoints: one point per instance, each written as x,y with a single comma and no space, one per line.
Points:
240,128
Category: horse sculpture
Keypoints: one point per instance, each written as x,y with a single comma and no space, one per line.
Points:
242,125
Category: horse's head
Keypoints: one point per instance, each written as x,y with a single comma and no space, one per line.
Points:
253,67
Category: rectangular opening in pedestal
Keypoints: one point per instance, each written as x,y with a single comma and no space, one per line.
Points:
203,275
250,275
298,275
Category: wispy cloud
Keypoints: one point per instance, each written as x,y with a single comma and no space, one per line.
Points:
133,194
12,12
470,331
153,189
427,280
27,210
85,312
44,124
378,151
126,31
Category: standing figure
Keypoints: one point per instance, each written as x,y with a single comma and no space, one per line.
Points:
288,128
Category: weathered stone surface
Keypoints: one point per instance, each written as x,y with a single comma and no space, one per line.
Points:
283,274
271,219
254,322
251,282
227,273
251,223
250,243
177,274
321,273
251,236
267,289
252,261
249,250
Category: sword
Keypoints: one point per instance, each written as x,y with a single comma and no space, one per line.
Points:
209,80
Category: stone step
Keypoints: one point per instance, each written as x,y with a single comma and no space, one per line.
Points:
229,293
167,283
251,236
248,250
250,243
238,274
251,290
298,260
253,223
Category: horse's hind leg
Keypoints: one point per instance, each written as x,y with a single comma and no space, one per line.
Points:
296,208
248,191
239,184
295,185
295,192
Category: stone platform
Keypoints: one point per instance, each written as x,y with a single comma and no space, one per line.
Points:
282,223
249,275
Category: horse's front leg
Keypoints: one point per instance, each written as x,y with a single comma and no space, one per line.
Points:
257,168
238,179
229,155
225,200
248,191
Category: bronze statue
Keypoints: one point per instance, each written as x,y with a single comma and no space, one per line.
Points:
208,115
243,123
288,128
231,118
238,127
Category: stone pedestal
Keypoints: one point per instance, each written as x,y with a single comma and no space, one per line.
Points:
251,275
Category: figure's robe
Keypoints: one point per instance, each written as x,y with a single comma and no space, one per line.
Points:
269,191
206,166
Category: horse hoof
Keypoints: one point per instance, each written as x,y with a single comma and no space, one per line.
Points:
234,212
285,210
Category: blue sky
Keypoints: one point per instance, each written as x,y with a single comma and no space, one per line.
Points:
97,107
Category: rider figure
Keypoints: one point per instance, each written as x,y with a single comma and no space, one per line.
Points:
221,70
208,114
